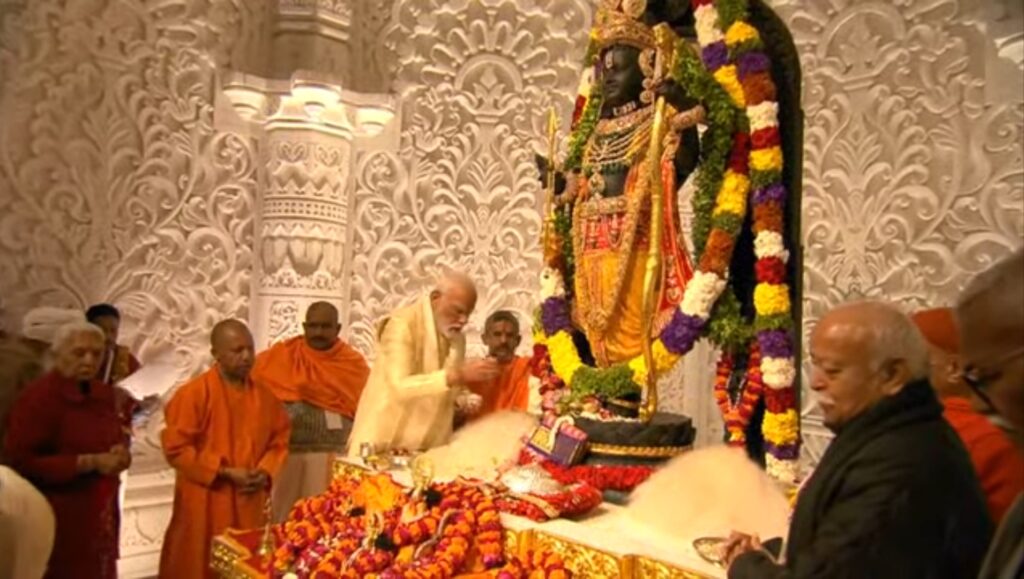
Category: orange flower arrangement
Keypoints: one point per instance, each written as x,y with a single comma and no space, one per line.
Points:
333,534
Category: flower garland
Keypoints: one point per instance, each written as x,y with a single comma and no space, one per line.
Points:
733,52
601,477
325,536
737,416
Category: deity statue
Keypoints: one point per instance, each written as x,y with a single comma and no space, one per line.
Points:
607,189
621,301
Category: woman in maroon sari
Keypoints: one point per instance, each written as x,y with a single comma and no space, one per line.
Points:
65,436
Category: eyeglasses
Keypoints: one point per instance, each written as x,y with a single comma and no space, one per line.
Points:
979,381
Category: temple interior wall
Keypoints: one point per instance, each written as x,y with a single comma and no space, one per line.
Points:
190,160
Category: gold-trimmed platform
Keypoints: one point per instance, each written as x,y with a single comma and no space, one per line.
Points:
233,552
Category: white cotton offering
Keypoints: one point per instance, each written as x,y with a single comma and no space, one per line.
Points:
710,492
478,449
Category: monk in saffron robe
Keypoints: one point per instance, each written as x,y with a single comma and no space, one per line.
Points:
510,390
65,437
227,437
319,378
996,460
419,371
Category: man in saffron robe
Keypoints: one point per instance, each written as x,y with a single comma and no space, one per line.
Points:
510,390
999,466
227,437
419,371
65,437
319,378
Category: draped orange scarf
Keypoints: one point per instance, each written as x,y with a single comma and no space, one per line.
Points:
332,379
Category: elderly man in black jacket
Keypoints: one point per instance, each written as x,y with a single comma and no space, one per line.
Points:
895,494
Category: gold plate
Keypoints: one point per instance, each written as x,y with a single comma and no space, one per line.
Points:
710,549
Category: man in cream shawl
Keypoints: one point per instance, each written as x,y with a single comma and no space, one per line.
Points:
419,370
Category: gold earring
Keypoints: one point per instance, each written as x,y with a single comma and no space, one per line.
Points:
647,95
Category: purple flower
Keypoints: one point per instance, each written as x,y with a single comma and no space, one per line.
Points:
773,192
491,560
783,451
681,333
715,55
751,63
554,316
775,344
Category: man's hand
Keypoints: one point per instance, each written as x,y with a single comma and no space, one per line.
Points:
479,370
258,480
236,476
106,463
124,456
675,95
738,544
467,403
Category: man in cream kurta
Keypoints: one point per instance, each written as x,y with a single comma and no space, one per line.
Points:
418,371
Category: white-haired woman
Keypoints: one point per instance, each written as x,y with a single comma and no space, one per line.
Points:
65,436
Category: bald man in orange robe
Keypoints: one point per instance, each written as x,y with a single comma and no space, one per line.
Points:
319,378
510,390
227,437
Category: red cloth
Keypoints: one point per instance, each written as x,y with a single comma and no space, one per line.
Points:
49,426
999,465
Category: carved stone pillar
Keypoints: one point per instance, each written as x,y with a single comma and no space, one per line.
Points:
313,35
306,128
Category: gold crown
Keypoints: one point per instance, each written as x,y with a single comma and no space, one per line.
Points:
619,22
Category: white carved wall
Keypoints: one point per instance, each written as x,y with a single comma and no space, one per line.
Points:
127,176
115,186
913,172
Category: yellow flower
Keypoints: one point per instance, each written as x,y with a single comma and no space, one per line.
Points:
771,299
740,32
781,428
564,357
639,368
539,337
732,198
726,76
766,159
663,362
663,359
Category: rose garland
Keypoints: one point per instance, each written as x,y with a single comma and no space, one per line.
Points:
601,477
732,52
737,415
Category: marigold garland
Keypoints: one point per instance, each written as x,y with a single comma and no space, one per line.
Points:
737,415
324,536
